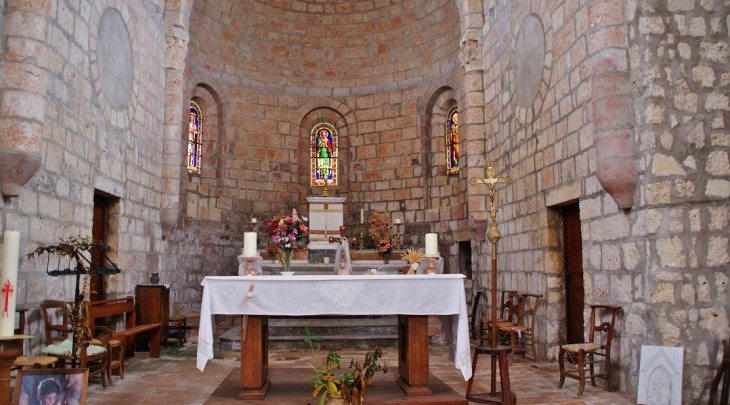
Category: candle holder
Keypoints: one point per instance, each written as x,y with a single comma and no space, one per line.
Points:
397,235
325,190
253,225
362,236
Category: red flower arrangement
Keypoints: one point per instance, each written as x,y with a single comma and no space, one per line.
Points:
287,233
380,229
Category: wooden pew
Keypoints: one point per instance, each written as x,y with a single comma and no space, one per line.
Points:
125,307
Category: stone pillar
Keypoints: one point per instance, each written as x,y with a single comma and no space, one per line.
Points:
23,89
177,48
613,114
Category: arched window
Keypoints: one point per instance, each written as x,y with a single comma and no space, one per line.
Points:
195,138
452,141
323,143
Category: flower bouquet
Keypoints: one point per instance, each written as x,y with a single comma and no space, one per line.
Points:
287,234
379,230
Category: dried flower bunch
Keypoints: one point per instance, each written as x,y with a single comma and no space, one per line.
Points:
412,255
379,230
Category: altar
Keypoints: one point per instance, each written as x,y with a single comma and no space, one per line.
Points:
412,297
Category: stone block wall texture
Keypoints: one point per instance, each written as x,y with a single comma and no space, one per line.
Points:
665,260
271,73
87,146
385,74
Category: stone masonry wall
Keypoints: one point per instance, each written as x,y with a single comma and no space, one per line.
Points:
680,51
665,260
268,93
88,146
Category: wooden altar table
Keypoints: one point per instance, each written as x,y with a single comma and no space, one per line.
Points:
412,297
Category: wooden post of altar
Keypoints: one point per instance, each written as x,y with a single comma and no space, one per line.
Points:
254,357
413,355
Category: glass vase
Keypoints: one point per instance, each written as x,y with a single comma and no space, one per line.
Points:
286,260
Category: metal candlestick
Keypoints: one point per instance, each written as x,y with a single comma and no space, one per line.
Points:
362,236
493,235
325,190
397,236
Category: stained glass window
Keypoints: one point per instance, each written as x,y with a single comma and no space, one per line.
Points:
452,141
323,142
195,138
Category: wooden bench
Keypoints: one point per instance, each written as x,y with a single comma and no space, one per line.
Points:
125,307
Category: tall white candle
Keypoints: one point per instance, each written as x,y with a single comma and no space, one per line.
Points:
362,216
254,220
9,282
397,220
249,244
432,244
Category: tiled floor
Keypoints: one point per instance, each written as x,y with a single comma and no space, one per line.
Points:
174,379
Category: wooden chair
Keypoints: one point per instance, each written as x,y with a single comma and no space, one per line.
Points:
596,350
722,376
29,361
473,315
522,336
511,314
60,344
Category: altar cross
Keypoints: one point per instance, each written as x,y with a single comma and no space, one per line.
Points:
7,293
493,235
492,181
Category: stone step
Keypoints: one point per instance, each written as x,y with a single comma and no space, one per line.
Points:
326,332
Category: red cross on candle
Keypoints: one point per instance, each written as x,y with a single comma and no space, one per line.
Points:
7,292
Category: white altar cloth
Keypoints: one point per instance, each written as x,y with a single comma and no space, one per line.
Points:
337,295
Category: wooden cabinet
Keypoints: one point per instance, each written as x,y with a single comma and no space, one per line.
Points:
152,305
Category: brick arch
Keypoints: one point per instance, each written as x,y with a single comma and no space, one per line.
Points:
436,109
317,115
213,121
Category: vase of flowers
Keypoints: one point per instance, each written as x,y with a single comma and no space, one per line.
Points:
287,234
380,229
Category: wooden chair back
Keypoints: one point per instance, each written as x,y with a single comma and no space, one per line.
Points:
529,314
602,332
55,332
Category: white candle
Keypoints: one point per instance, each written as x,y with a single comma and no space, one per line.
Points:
254,220
249,244
9,282
362,216
432,244
397,220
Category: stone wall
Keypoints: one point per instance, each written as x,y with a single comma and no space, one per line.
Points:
664,260
265,78
96,137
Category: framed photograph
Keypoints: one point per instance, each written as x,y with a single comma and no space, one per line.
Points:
51,386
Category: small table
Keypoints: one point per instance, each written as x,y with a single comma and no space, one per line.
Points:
11,347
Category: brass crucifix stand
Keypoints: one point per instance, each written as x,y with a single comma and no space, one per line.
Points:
493,235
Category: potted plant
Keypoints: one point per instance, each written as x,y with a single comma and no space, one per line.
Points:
348,389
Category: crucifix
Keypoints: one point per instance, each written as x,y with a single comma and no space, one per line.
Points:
493,235
7,293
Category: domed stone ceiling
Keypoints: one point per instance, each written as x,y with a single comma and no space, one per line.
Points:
324,44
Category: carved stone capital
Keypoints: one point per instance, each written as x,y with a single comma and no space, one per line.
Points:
177,48
470,53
